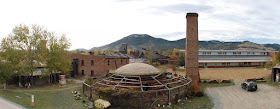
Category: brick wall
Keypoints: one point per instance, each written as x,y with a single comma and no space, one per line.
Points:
99,68
115,63
100,65
272,54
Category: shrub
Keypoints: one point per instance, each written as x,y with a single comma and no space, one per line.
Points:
200,93
194,89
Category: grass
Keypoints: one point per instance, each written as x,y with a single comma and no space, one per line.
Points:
203,102
269,82
204,85
57,99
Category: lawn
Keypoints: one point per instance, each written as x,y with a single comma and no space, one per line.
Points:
204,85
203,102
269,82
49,97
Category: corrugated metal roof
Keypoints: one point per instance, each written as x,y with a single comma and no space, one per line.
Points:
117,55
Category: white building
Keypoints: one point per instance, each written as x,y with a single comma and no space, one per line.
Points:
234,58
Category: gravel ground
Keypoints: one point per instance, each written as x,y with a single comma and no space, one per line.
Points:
234,97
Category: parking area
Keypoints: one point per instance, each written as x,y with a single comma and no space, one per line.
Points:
234,97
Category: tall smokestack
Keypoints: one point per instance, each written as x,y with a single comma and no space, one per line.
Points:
192,47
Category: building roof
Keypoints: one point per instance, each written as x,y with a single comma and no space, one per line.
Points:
117,55
277,66
137,69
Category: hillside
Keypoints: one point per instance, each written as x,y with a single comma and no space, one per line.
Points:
138,41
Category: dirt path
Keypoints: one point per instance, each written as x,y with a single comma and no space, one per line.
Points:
58,89
234,97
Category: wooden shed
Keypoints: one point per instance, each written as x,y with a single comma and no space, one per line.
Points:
275,75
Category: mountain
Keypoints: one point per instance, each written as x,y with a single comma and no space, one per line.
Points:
139,41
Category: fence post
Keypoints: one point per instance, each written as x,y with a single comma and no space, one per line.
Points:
90,92
32,101
4,86
83,88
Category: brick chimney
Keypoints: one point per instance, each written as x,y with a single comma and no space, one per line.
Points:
191,63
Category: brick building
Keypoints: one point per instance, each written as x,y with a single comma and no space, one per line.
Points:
96,65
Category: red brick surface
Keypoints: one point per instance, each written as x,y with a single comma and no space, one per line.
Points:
100,66
272,54
191,62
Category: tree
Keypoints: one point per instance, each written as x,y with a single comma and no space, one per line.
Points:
22,48
6,72
96,52
128,51
173,62
276,59
28,48
181,59
57,55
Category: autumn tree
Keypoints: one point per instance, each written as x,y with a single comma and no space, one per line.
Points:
173,62
276,59
128,51
96,52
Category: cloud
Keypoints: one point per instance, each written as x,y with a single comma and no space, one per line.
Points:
183,8
170,34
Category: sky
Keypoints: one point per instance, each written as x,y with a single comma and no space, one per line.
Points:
94,23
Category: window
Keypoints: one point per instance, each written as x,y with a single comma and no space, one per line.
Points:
225,64
222,53
83,72
108,62
228,64
92,63
204,53
236,53
83,63
121,61
247,63
108,71
92,72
